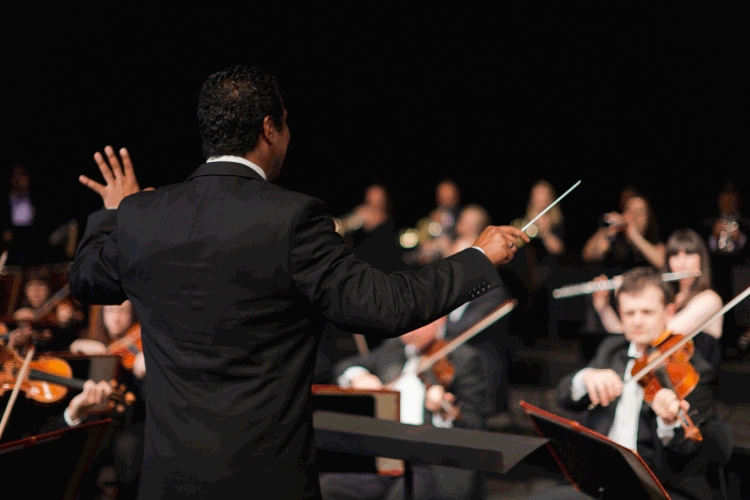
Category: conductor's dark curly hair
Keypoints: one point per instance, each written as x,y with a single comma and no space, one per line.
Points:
231,107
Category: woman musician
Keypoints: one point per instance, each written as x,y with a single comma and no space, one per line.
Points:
696,301
118,320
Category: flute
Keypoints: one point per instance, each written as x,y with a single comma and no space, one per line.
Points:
610,284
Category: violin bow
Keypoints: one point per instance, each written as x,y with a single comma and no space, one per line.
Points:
451,346
13,395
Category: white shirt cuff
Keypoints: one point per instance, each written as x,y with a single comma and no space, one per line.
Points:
345,380
664,431
70,421
439,421
480,249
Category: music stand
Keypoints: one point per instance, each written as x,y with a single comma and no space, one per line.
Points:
60,457
593,463
464,448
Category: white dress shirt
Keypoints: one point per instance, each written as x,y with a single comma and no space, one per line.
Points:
624,429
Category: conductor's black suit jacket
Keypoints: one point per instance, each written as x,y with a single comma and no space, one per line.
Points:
233,278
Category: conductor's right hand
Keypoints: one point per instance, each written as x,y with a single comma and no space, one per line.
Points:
499,243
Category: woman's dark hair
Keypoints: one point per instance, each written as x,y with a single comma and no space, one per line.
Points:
689,241
231,107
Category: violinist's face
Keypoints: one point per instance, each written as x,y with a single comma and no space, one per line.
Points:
37,293
644,315
421,337
117,319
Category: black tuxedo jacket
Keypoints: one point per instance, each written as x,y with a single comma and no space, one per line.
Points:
681,464
233,278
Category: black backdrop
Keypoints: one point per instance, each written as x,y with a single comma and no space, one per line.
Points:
613,97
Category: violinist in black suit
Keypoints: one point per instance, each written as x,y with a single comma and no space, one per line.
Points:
233,279
421,403
645,304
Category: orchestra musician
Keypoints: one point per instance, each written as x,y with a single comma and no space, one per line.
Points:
420,403
117,320
233,278
627,240
645,305
695,301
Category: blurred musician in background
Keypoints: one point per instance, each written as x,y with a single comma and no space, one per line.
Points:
117,322
627,240
695,300
728,234
434,233
422,402
370,231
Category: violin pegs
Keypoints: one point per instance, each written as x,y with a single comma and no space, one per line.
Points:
113,384
120,408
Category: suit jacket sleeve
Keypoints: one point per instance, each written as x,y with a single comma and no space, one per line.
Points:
350,293
95,275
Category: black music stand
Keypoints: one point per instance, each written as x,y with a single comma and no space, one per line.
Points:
53,464
463,448
593,463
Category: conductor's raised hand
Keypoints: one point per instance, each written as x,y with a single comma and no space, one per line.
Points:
120,180
499,243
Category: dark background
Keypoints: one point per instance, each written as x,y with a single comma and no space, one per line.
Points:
614,97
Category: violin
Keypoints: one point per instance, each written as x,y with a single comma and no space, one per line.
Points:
128,346
49,379
675,372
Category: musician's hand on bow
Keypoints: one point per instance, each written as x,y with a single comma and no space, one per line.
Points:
94,396
120,180
139,366
87,347
499,243
603,386
438,401
667,405
366,380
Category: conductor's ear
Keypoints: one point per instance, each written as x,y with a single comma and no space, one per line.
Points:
270,133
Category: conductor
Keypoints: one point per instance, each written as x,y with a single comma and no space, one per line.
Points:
233,279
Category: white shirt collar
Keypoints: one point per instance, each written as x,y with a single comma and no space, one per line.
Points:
634,352
239,159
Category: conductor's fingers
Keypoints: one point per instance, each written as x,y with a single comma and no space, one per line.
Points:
113,162
91,184
127,163
104,168
514,231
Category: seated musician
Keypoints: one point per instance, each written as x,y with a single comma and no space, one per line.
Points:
117,321
420,404
646,305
